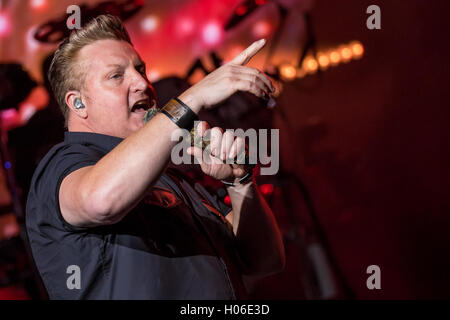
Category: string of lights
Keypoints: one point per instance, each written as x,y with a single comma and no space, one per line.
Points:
325,59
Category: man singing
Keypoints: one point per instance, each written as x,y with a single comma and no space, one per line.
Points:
107,219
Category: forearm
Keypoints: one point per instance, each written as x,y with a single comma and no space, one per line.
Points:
121,178
258,237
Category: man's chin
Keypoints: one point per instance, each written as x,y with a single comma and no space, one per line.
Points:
137,120
138,116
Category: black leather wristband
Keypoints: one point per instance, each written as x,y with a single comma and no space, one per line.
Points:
177,111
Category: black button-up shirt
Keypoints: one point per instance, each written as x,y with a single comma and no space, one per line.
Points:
175,244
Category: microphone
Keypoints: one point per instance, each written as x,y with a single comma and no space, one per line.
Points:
201,142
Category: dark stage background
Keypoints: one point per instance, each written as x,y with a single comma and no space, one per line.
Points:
364,145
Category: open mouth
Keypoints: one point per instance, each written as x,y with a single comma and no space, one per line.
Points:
141,106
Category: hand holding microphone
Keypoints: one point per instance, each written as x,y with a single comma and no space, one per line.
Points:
221,84
202,140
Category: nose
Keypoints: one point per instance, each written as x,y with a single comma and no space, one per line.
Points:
140,82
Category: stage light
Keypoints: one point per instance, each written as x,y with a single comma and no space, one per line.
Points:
186,26
324,61
27,111
261,29
4,25
260,2
9,118
32,43
357,49
310,65
227,200
7,165
266,189
335,57
241,10
288,71
346,53
149,24
153,75
212,33
38,4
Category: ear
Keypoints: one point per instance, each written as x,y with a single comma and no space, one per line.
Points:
70,100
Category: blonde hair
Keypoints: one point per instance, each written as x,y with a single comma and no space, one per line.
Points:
62,74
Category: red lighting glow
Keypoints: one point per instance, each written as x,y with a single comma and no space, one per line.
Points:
266,189
186,26
227,200
38,4
241,10
4,25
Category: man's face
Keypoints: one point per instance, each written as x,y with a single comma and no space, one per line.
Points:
116,91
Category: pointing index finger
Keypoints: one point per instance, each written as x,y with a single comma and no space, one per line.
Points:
244,57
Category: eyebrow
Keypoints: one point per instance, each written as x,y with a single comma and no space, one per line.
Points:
115,65
138,64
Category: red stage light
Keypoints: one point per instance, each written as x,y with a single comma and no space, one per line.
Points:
227,200
212,33
186,26
260,2
241,10
266,189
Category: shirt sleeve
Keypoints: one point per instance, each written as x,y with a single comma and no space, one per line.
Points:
65,161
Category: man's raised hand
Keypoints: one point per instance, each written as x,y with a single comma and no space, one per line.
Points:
225,81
